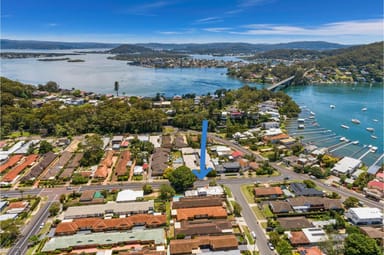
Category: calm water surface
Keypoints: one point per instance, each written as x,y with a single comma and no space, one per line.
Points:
98,74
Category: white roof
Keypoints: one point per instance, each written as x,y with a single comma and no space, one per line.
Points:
223,149
129,195
315,235
273,131
346,164
8,216
155,140
138,169
143,138
366,212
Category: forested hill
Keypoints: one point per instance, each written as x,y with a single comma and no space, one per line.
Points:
371,54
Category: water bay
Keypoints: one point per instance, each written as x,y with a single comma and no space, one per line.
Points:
98,74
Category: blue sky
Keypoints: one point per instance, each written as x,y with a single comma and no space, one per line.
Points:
194,21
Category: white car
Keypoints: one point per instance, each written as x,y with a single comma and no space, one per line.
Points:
253,234
270,245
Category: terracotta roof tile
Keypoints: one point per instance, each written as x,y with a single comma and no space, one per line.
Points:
298,238
201,212
270,191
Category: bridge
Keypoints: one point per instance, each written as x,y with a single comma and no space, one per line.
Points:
286,81
280,83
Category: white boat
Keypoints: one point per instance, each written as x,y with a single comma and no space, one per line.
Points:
364,109
301,126
375,120
370,129
311,117
355,142
343,139
344,126
356,121
312,113
300,120
373,149
373,137
332,106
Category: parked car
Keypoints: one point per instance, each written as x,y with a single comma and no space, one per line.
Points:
271,247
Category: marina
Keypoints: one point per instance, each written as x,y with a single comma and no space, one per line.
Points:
336,144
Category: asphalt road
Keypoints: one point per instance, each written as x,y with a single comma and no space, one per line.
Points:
31,229
250,219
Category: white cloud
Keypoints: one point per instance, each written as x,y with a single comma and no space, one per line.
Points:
354,27
217,29
52,24
250,3
147,9
208,20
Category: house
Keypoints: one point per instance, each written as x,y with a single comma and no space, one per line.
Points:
205,191
160,159
297,238
93,240
113,208
314,250
192,202
315,235
231,166
376,185
118,139
222,150
300,189
237,154
138,170
270,124
294,222
211,212
87,196
129,195
114,224
213,243
271,192
380,176
203,227
305,204
365,216
374,233
280,207
17,207
346,165
275,138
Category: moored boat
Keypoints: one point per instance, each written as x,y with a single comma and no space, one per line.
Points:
332,106
373,137
356,121
370,129
364,109
344,126
355,142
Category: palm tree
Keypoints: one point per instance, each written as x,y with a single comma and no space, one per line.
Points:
117,88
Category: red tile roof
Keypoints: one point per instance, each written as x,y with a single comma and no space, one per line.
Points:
310,250
201,212
298,238
376,185
236,154
11,162
270,191
11,175
97,224
101,172
215,243
20,204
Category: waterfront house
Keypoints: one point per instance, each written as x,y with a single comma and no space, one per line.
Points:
347,165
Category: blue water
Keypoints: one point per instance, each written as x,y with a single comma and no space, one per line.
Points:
98,74
348,101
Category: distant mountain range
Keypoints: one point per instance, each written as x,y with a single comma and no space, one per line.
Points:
188,48
46,45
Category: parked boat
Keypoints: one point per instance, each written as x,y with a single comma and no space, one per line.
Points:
364,109
343,139
373,149
370,129
344,126
312,113
332,106
356,121
375,120
373,137
301,126
355,142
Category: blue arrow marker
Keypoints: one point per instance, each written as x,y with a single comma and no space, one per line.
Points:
203,143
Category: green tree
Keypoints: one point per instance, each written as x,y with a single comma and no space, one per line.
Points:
93,150
351,202
147,189
166,192
54,209
116,88
357,244
284,247
237,209
45,147
182,178
309,184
